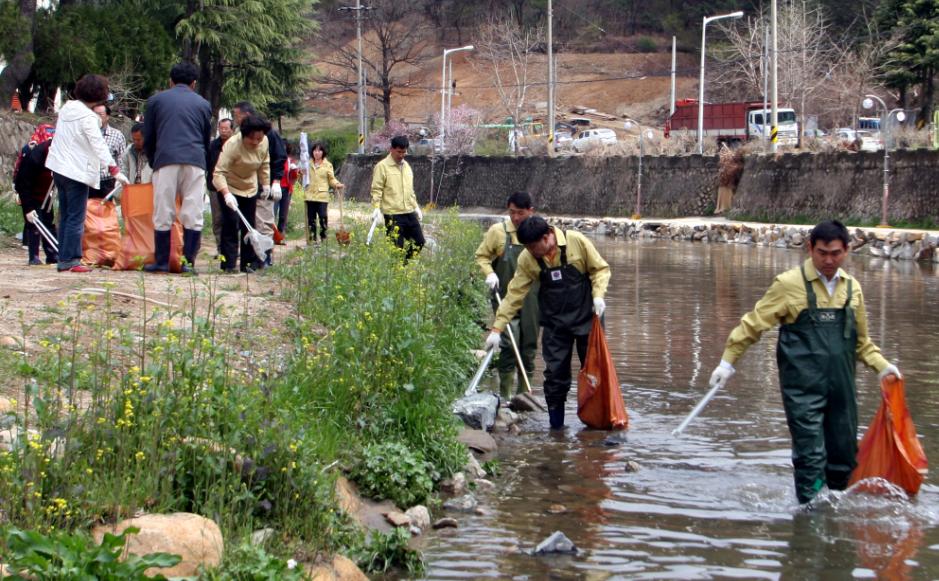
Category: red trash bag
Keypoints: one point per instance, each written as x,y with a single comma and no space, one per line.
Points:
890,449
599,399
137,242
101,241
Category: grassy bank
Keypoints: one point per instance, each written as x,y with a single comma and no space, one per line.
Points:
209,410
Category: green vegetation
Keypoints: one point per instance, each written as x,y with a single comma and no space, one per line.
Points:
11,216
229,414
393,471
251,563
340,142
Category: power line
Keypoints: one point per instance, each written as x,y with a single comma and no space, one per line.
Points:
545,83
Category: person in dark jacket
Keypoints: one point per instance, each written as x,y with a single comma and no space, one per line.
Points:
32,184
177,130
225,130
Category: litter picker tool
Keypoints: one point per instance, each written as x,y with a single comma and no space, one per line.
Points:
259,242
483,365
342,236
518,354
697,410
43,231
371,231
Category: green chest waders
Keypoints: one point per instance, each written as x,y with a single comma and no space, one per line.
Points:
566,302
524,325
816,360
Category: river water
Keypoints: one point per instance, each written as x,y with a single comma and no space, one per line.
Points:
717,502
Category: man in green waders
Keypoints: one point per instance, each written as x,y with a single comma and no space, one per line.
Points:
497,256
823,333
572,278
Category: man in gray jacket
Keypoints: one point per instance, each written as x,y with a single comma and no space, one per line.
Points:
177,131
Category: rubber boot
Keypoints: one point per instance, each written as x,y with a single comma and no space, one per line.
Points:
192,241
161,251
506,380
556,418
269,258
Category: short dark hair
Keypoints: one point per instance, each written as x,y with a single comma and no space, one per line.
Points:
253,124
245,107
91,89
320,145
400,142
184,73
107,109
226,120
829,231
137,128
532,229
519,200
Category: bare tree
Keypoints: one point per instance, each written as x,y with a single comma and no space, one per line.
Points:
508,51
393,48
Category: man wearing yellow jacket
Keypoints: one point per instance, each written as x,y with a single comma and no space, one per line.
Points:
393,197
572,278
823,333
497,257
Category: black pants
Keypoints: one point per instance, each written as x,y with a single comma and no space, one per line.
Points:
234,231
31,236
281,209
405,228
106,187
316,210
557,348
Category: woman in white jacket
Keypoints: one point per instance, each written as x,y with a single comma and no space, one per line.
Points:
75,157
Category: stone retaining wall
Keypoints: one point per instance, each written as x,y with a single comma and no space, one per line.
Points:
15,131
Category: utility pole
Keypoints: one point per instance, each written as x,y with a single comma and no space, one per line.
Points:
360,82
671,109
775,84
765,59
550,82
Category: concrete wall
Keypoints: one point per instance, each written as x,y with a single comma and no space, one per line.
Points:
792,186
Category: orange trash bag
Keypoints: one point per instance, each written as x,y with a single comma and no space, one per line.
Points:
137,242
599,399
890,449
101,241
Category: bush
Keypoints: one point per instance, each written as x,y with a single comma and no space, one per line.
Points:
646,44
251,563
339,142
392,471
11,216
386,550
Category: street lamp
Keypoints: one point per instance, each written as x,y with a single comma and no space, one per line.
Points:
648,133
360,83
443,89
868,103
704,26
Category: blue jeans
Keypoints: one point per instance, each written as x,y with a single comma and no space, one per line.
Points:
73,200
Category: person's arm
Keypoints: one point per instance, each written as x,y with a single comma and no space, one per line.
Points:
412,193
331,177
489,249
768,312
525,275
149,129
221,168
867,351
206,132
264,172
597,268
91,129
378,184
278,157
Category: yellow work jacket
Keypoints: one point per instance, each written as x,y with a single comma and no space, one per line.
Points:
321,179
786,298
240,169
581,254
393,187
493,245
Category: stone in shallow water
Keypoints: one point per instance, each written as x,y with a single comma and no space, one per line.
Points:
446,523
556,543
465,503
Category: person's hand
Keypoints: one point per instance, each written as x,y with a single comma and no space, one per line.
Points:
266,192
276,192
376,214
888,371
599,305
340,186
31,217
493,340
492,279
720,376
113,170
120,177
420,215
231,201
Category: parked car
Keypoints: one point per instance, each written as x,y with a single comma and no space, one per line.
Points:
563,140
592,138
870,140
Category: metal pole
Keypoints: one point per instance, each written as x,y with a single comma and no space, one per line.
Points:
639,179
449,89
775,81
443,99
765,58
550,82
704,24
671,109
361,88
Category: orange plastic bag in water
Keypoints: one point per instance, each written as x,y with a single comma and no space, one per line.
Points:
101,241
890,449
599,399
137,242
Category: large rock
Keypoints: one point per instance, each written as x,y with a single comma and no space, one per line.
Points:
478,410
477,440
419,516
465,503
339,569
368,514
196,539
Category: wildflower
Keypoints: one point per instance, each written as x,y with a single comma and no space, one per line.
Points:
145,379
89,471
291,564
140,456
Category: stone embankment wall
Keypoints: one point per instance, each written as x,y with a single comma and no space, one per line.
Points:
15,131
790,187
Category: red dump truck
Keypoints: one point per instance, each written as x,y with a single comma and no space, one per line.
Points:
733,122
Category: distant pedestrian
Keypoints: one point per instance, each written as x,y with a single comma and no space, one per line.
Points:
116,144
177,131
75,156
225,130
393,197
32,183
287,182
322,177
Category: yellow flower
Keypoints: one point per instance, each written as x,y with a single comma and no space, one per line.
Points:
140,456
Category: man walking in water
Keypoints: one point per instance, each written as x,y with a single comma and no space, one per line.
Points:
823,333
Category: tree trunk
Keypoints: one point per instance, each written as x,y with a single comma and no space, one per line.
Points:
211,77
928,94
21,65
386,101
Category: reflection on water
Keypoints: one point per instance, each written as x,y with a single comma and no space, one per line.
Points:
719,501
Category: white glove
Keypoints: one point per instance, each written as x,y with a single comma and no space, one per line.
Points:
420,215
599,305
376,215
120,177
32,217
231,201
721,375
889,370
492,279
276,193
493,340
266,193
